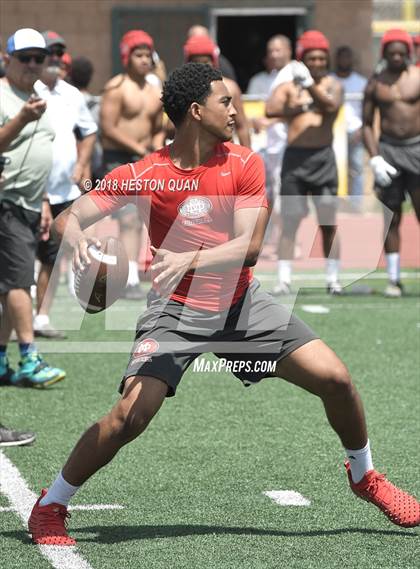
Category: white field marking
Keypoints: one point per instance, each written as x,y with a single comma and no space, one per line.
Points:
80,507
315,308
345,276
97,507
14,487
287,498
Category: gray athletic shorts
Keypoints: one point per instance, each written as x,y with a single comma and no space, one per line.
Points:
308,171
404,155
19,229
170,336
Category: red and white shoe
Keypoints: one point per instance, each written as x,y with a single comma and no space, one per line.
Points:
47,524
398,506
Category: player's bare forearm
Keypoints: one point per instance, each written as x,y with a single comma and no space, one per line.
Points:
69,225
242,250
369,140
368,114
276,103
168,267
85,149
32,110
242,131
158,140
10,131
242,126
158,132
66,229
327,102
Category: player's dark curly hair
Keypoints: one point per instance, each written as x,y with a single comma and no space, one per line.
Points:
187,84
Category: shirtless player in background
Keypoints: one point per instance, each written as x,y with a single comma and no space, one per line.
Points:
131,120
309,105
395,160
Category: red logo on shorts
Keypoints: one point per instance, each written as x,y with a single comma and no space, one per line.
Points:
145,348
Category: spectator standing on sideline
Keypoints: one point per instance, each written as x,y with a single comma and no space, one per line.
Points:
81,73
278,53
395,161
277,57
26,139
131,123
10,437
354,85
69,114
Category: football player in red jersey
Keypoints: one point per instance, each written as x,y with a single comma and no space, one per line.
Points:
208,214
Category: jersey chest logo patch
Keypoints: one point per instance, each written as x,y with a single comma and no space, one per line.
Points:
195,210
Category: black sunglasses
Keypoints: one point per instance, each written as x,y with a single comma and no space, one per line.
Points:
23,58
58,51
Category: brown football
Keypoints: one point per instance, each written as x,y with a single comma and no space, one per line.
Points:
101,283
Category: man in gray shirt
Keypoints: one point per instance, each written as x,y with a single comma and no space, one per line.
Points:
26,139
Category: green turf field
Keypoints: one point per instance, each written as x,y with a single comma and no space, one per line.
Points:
192,486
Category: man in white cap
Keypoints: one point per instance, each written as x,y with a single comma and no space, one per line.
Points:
26,138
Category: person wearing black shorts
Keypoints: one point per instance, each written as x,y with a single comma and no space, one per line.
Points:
395,160
26,138
309,104
131,123
206,226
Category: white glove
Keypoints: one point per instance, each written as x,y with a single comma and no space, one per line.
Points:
382,171
301,74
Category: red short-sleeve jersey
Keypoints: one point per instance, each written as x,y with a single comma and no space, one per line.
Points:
190,210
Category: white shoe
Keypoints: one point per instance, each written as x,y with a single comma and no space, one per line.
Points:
334,288
47,331
394,290
281,289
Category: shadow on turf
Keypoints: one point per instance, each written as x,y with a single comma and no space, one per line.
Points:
119,534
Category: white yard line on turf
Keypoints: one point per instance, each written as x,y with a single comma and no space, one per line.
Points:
315,308
14,487
97,507
80,507
345,276
287,498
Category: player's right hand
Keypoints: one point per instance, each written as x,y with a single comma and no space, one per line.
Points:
81,257
33,109
382,171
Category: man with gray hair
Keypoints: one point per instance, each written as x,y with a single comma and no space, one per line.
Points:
277,55
26,138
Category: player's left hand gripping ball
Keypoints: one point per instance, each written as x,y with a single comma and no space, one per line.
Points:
103,281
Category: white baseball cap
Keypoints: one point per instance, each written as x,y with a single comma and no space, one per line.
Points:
25,38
